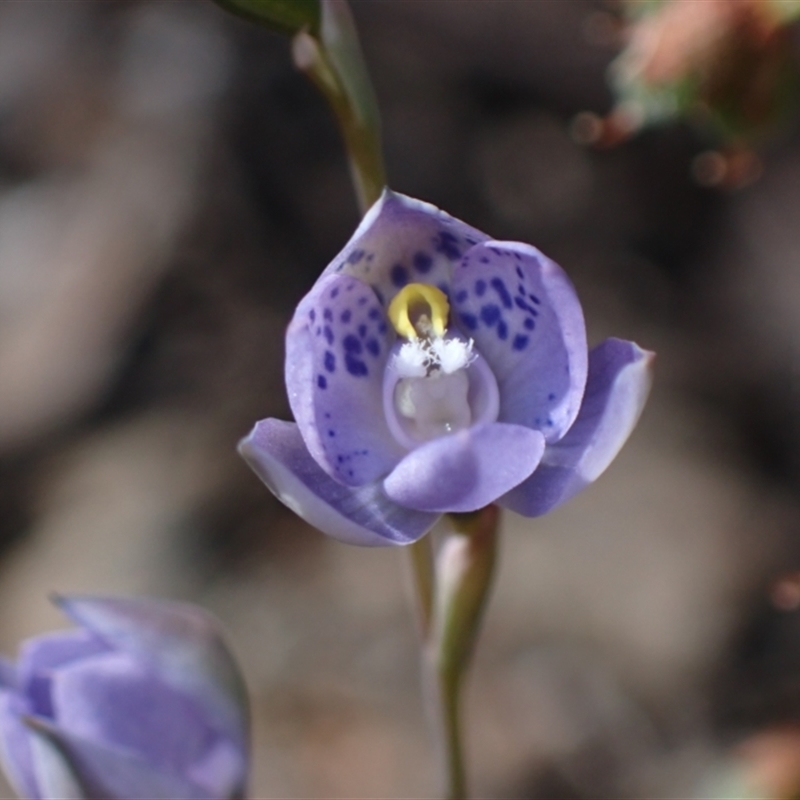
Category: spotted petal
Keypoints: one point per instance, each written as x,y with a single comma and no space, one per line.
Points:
525,318
616,390
362,516
402,240
467,470
336,351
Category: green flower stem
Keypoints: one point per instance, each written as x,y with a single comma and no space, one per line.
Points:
424,578
443,703
334,62
465,569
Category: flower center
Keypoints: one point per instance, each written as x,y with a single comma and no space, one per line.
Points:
434,405
434,383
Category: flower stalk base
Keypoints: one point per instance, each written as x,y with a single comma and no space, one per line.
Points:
464,569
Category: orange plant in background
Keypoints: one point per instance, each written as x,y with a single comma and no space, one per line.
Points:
726,66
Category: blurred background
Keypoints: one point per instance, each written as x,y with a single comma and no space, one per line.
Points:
170,187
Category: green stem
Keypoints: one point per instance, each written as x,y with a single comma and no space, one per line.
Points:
364,155
465,570
423,575
334,62
445,686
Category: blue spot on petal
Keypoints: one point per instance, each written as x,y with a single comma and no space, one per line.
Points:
551,396
334,292
422,262
535,299
490,313
373,346
520,273
352,344
374,313
328,314
529,323
329,361
502,330
470,321
346,315
328,334
322,382
331,434
480,288
500,288
355,366
312,315
462,296
355,256
520,342
399,275
447,244
362,301
382,328
362,330
520,303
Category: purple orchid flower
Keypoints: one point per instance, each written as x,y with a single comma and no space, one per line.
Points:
432,370
144,701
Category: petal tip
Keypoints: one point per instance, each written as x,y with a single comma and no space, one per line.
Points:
620,378
245,444
252,451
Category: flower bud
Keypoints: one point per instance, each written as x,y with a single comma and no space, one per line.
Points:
144,700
